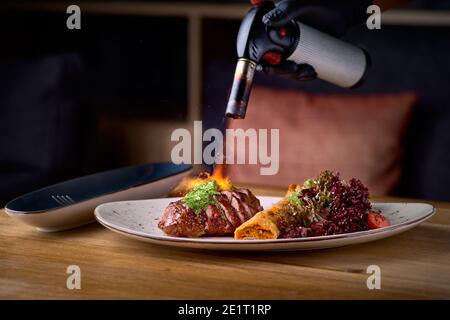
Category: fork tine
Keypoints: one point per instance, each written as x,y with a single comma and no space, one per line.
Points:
57,200
68,202
60,201
63,200
69,199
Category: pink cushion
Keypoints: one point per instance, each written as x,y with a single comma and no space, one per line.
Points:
357,135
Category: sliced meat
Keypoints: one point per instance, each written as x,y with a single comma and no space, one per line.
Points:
230,213
244,204
217,224
251,200
231,210
239,203
233,204
181,221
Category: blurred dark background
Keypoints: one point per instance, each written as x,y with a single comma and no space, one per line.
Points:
73,102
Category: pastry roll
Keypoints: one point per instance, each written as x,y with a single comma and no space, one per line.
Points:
264,225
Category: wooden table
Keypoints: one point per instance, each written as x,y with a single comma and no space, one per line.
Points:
415,264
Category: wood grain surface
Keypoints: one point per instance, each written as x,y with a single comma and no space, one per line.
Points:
33,265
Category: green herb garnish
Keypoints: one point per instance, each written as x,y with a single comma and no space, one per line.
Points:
294,198
201,197
308,184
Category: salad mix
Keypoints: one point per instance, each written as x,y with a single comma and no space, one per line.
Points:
328,205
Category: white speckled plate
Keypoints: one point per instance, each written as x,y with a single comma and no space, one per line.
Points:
139,220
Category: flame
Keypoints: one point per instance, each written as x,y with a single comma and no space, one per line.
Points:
189,183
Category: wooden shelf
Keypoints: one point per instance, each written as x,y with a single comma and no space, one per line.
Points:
416,18
411,17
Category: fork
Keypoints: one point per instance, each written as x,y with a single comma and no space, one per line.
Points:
63,200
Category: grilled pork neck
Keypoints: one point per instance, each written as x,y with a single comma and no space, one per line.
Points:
230,210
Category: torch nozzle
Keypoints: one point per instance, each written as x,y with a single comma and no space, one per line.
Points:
240,91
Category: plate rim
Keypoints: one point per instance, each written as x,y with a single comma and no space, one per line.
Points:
230,241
